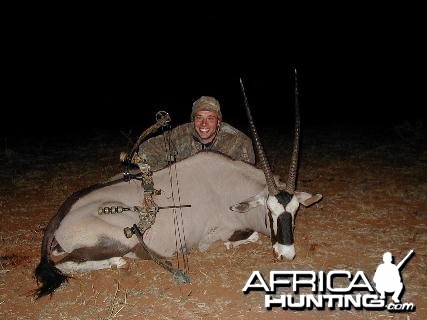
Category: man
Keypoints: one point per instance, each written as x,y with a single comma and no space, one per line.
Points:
207,131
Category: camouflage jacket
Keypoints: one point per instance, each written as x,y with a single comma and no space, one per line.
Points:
184,143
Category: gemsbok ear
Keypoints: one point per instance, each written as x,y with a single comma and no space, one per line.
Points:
306,199
252,202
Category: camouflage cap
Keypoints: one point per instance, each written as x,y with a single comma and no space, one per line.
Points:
206,103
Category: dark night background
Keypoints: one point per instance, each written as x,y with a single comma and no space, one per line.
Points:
76,69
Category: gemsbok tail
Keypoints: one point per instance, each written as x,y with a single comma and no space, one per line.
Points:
49,276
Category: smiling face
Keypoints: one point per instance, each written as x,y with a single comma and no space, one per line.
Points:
206,124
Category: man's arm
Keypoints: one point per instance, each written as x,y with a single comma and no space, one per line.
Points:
248,146
243,149
236,144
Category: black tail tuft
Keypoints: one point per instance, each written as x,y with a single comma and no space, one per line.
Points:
49,276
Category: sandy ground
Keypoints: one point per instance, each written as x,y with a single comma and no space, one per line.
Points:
374,185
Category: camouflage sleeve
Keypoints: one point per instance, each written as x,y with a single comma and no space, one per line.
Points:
248,147
246,150
153,150
235,144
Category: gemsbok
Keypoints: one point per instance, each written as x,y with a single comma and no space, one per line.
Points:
228,198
